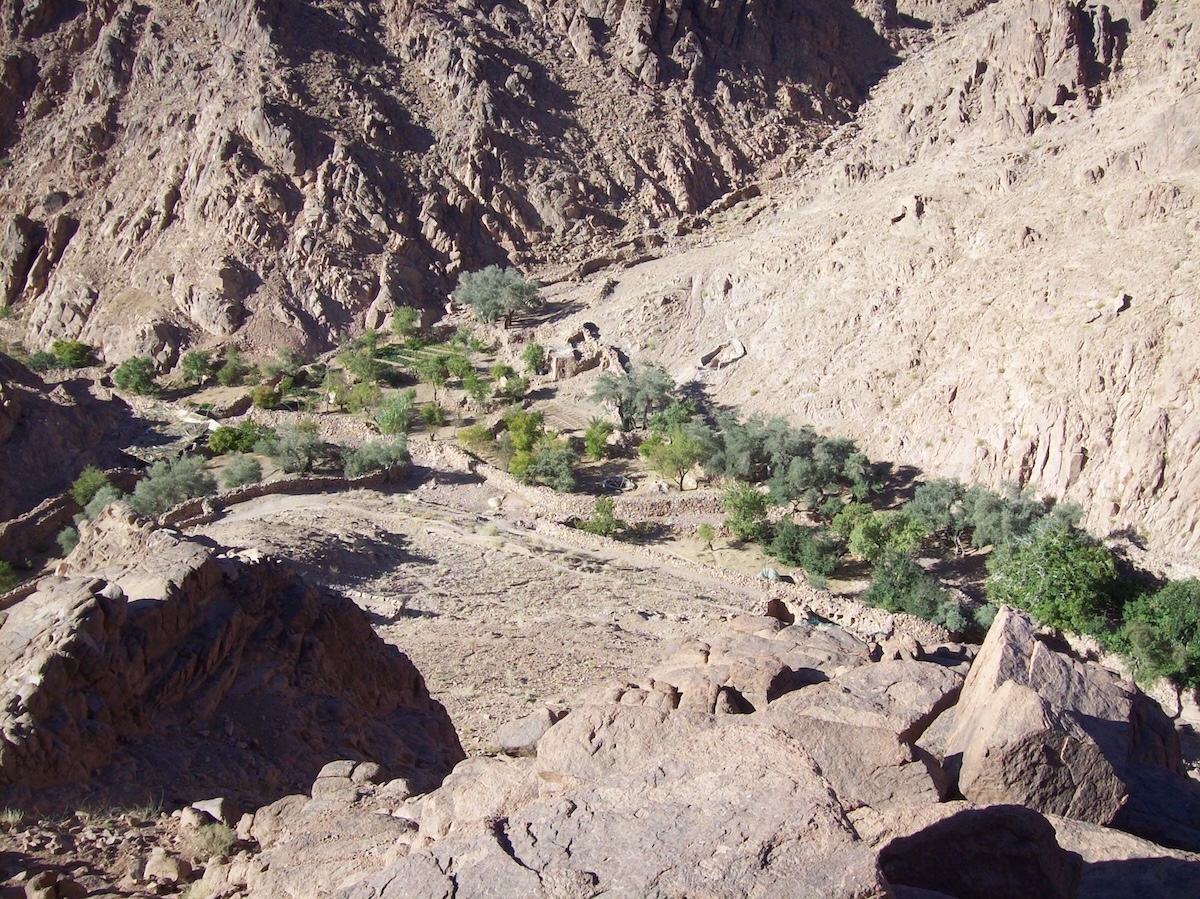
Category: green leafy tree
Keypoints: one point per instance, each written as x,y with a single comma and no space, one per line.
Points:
939,505
476,438
433,415
135,375
196,366
240,471
675,416
900,584
459,366
168,483
90,481
296,448
706,534
363,396
595,438
497,294
433,370
636,394
524,428
477,387
534,357
335,387
67,539
675,455
105,497
41,361
241,439
1060,575
552,464
746,511
884,534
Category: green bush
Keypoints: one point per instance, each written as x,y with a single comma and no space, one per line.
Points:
105,496
603,522
295,448
377,455
169,483
8,577
196,366
746,511
477,387
883,534
637,394
524,428
363,396
68,539
595,438
233,371
1163,630
1058,574
674,454
807,548
406,321
240,471
41,361
265,397
395,414
550,463
902,585
73,353
433,415
241,439
534,357
135,375
706,534
88,484
476,438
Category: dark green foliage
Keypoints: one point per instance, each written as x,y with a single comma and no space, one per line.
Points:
406,321
296,448
265,397
534,357
807,548
1163,629
41,361
377,455
8,577
676,415
1060,575
135,375
363,396
240,471
883,534
434,370
433,415
105,496
524,428
395,414
459,366
595,438
73,353
746,511
67,539
902,585
939,506
88,484
476,386
196,366
496,294
604,522
234,369
241,439
169,483
359,358
476,438
1000,519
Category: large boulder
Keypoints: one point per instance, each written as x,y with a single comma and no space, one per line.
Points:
1038,728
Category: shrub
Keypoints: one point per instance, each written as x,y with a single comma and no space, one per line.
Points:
395,415
534,357
746,511
807,548
196,366
881,534
169,483
902,585
72,353
524,428
706,534
551,464
41,361
88,484
636,394
105,496
240,471
1163,630
1060,575
363,396
433,370
68,539
496,294
675,455
459,366
406,321
241,439
377,455
477,387
296,447
135,375
433,415
603,522
476,438
595,438
233,371
8,577
265,397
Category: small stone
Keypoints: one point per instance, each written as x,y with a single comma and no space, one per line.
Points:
165,868
342,768
367,773
193,818
221,809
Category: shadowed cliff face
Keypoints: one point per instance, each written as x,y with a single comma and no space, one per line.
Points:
284,170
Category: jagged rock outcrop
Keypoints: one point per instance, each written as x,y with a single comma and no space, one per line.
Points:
284,169
153,667
48,435
1036,728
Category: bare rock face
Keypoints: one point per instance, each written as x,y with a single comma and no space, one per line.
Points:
1036,728
47,435
405,142
151,666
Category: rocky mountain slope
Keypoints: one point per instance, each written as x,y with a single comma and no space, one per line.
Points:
177,172
990,274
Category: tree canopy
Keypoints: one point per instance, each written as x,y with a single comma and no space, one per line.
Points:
496,294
